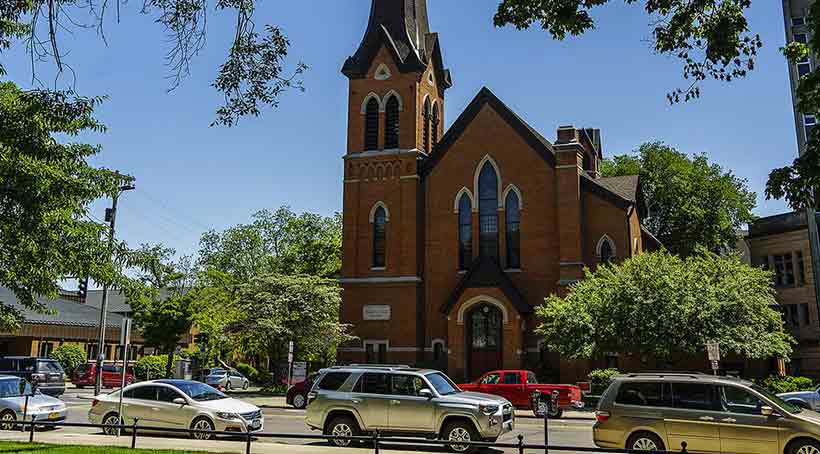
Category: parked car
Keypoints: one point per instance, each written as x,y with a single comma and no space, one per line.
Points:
809,400
176,404
47,374
86,375
357,400
13,392
711,414
227,379
297,394
521,387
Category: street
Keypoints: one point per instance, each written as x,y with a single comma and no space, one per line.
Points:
575,430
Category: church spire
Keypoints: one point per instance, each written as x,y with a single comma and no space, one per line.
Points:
403,27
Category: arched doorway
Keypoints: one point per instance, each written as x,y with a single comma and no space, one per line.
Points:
484,342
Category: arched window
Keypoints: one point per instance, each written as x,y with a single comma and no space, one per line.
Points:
371,125
513,235
391,120
425,134
435,124
606,252
438,351
379,237
488,211
465,232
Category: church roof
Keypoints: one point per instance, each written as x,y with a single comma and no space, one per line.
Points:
403,27
486,97
625,186
486,273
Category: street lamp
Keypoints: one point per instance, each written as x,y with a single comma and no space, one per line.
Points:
111,217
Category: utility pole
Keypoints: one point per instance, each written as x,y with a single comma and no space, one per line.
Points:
111,217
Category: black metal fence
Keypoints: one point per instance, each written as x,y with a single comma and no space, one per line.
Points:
375,441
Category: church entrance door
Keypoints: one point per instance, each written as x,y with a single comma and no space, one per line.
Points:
484,342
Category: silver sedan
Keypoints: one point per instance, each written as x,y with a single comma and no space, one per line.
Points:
14,406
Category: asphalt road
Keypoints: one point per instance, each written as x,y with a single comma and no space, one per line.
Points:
282,419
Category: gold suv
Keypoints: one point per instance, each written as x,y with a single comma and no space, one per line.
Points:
711,414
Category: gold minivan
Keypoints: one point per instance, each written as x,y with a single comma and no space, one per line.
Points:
710,414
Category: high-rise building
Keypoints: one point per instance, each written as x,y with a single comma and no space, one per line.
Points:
795,16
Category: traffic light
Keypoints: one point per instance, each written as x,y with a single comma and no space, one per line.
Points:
82,288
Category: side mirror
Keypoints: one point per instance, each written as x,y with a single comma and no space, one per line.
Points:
180,401
426,393
766,411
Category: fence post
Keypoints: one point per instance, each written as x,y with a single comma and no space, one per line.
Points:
520,444
31,431
683,446
376,441
134,434
248,441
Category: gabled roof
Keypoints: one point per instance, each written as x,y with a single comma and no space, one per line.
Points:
625,186
485,272
605,191
541,145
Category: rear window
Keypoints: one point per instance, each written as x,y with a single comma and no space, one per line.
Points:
512,378
645,394
332,381
83,368
49,366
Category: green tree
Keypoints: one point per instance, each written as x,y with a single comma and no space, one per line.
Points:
276,309
691,202
46,186
69,356
664,305
162,310
213,310
313,245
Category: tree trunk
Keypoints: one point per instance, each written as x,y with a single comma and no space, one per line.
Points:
170,366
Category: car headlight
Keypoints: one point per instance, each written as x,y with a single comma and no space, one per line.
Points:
488,409
222,415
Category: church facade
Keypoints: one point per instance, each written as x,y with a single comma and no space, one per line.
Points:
453,236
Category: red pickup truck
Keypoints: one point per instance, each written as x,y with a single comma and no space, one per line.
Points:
520,386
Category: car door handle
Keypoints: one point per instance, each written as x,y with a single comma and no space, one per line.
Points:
154,409
357,401
729,420
395,402
706,418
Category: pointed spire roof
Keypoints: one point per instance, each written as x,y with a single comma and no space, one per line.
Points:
403,27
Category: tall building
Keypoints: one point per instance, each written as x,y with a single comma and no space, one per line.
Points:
795,16
452,236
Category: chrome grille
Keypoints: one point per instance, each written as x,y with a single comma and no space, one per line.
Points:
508,412
252,415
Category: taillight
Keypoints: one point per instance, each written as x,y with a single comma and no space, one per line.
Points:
38,377
602,416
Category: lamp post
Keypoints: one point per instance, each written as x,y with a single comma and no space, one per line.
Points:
111,217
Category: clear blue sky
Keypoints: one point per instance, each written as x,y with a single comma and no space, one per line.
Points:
191,177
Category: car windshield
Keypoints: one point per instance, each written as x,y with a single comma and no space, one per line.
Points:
791,408
199,392
444,386
11,388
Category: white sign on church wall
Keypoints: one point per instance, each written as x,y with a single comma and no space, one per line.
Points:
376,312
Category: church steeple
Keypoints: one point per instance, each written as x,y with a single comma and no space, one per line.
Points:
402,26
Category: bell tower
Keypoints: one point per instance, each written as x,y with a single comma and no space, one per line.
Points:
396,91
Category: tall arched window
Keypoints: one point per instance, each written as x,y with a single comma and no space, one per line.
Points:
391,120
425,134
606,252
513,235
465,232
371,125
488,211
435,124
379,237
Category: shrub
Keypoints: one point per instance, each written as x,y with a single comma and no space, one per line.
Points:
151,367
599,380
275,390
69,356
788,384
248,371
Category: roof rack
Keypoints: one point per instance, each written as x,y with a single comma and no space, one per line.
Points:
374,366
664,373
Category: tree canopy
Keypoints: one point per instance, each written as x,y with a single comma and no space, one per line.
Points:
663,305
691,202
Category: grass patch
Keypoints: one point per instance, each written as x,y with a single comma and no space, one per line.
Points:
36,448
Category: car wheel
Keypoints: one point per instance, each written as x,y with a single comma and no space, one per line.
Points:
110,423
342,426
228,385
203,424
7,420
555,413
299,401
246,385
647,441
460,431
804,446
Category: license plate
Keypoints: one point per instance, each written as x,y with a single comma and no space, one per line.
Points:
256,424
54,415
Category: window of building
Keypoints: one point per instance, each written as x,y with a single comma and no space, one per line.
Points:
784,270
379,237
465,232
801,268
809,122
45,349
607,252
438,351
91,351
375,352
798,21
371,125
801,38
795,315
803,67
488,211
391,126
435,125
804,314
425,134
513,230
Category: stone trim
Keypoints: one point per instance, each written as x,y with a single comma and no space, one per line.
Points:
482,299
513,188
366,100
375,207
600,244
398,98
487,158
379,153
380,280
409,177
462,191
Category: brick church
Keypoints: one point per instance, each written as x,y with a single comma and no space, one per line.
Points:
452,236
